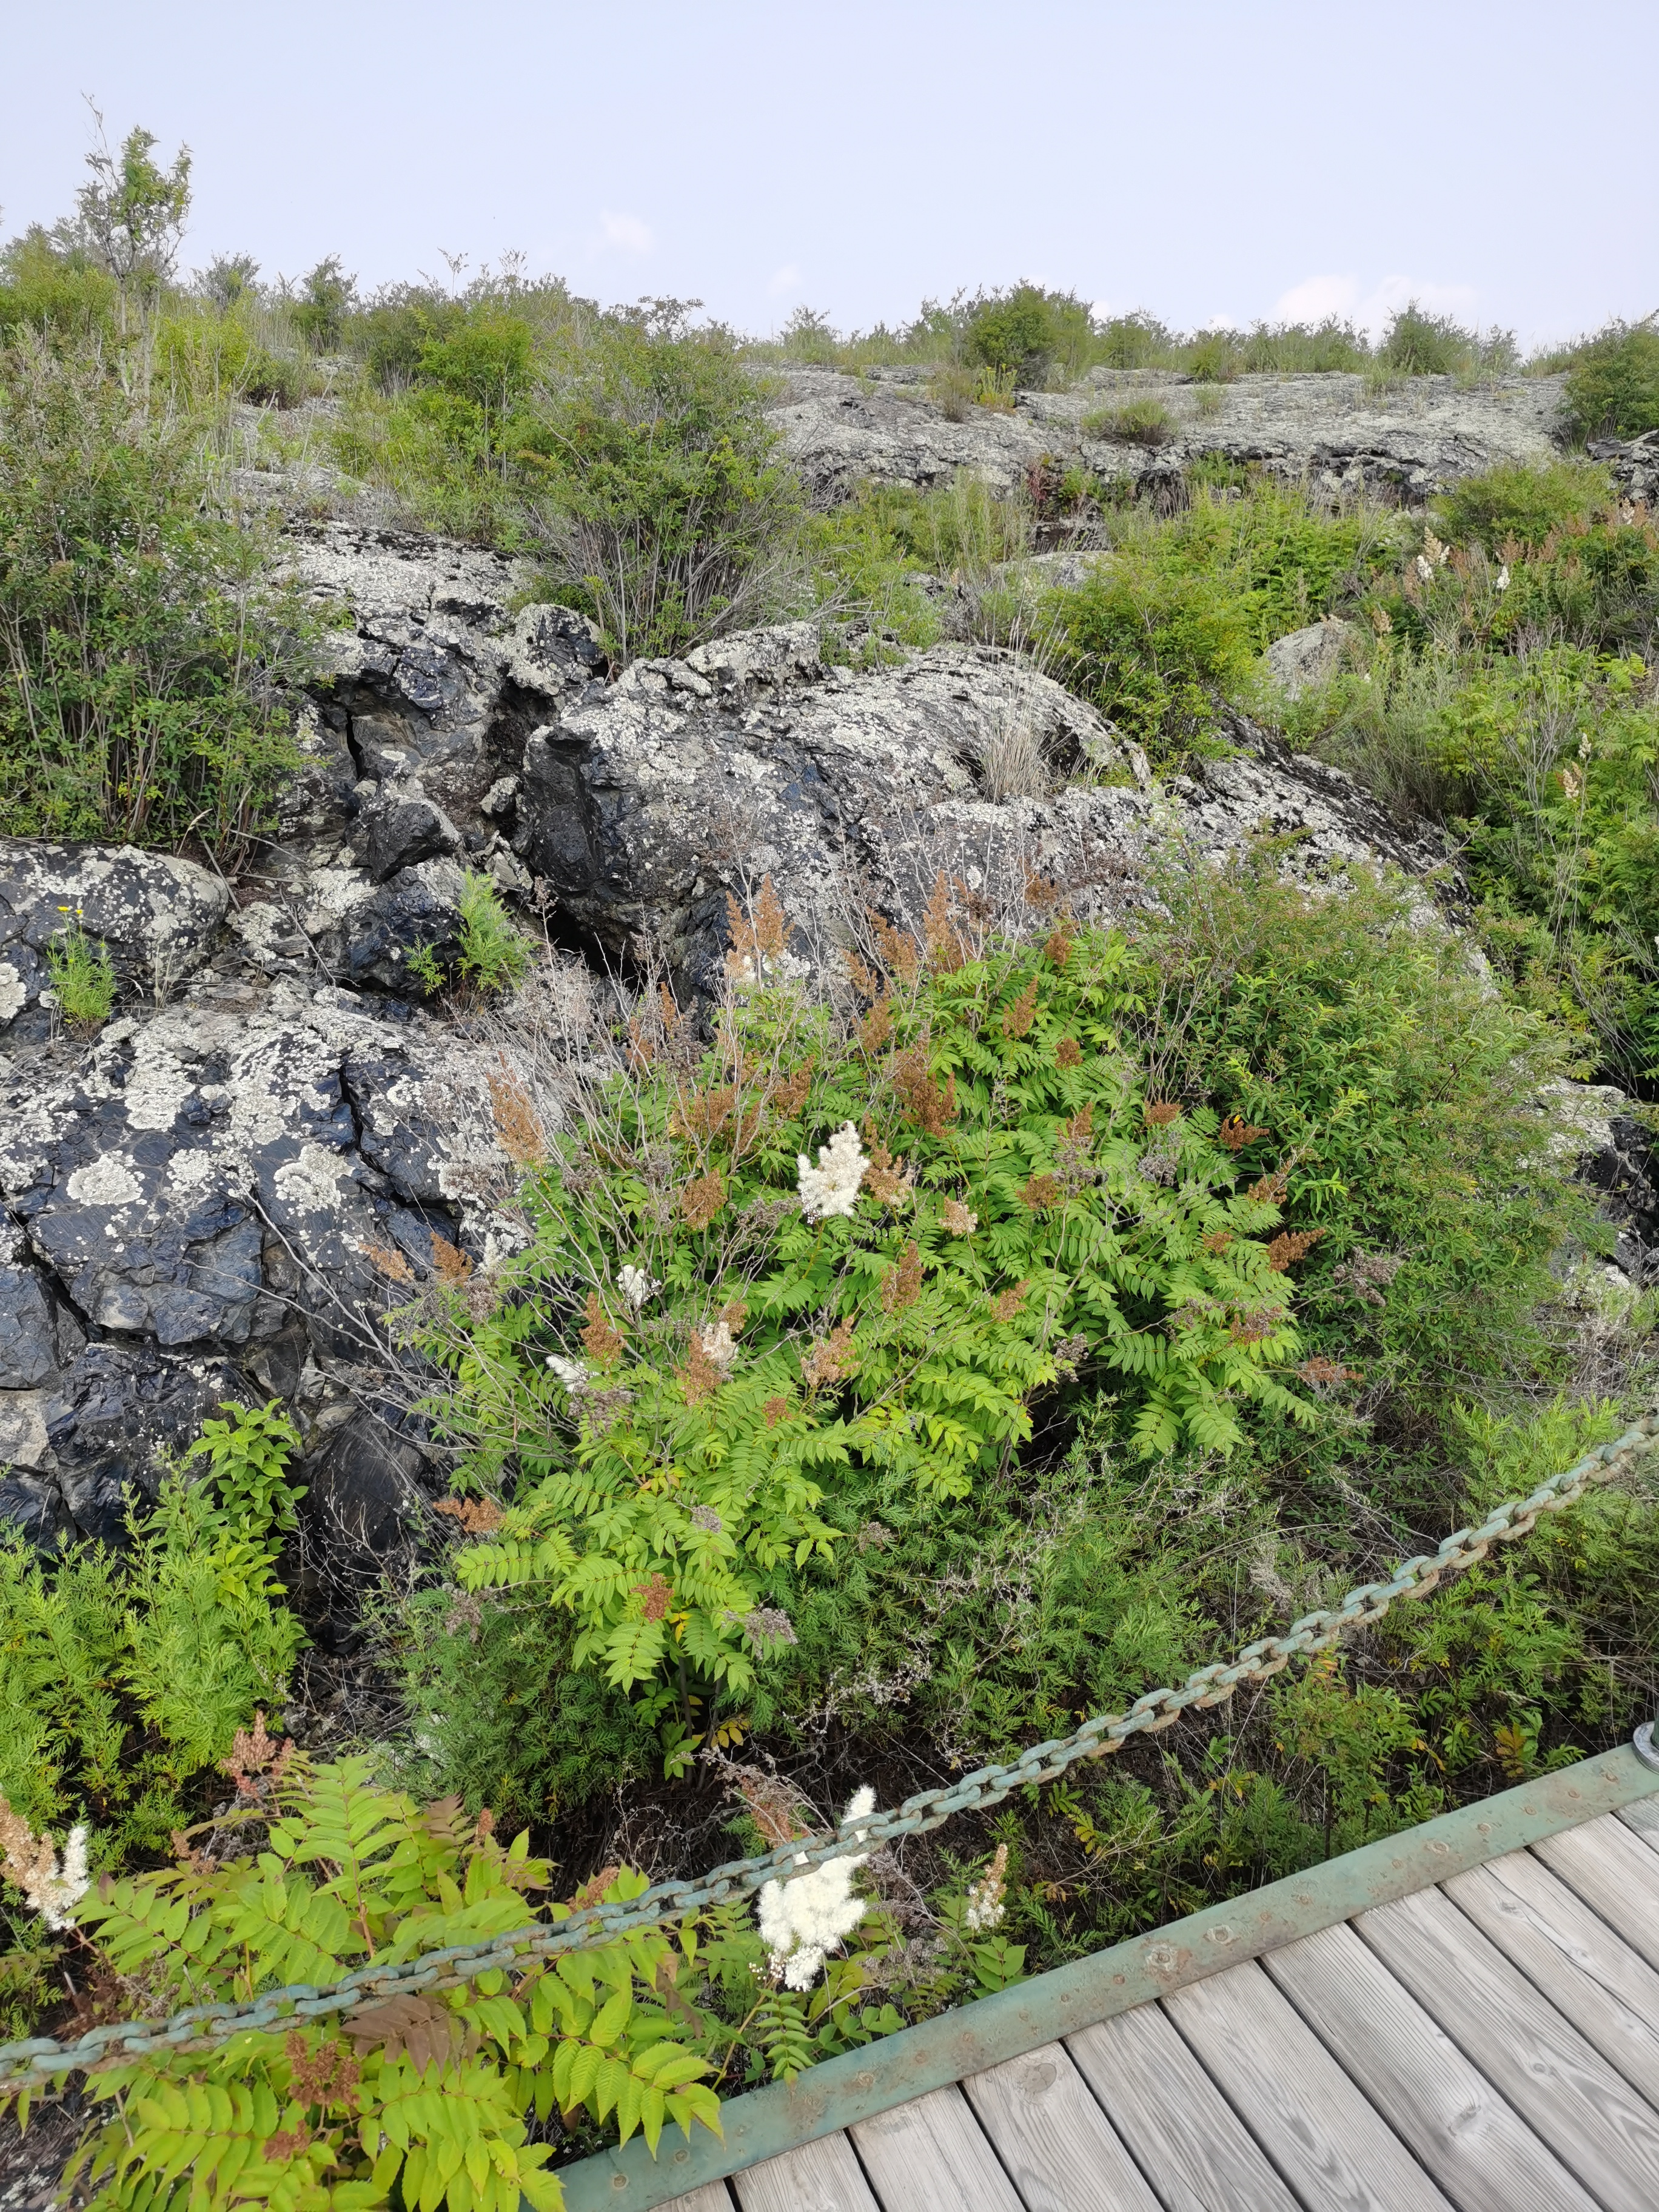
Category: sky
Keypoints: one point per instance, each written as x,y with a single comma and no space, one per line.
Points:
1264,159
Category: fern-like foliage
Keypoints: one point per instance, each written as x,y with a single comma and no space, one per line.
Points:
426,2100
1032,1221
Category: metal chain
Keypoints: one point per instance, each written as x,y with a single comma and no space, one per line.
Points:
203,2027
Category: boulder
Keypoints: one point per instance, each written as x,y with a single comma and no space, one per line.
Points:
158,917
1308,657
212,1202
1632,463
642,808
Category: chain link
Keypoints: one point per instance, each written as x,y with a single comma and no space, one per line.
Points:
204,2027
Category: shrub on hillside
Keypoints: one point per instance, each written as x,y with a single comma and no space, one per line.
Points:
141,645
1613,381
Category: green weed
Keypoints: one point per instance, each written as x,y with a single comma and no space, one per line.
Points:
83,977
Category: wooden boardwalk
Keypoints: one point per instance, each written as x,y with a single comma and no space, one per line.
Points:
1487,2040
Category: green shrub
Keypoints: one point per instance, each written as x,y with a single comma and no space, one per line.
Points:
1047,1200
656,501
1526,504
1013,333
350,1874
82,976
1137,340
50,292
1138,423
140,643
494,956
124,1678
1213,358
1613,381
326,297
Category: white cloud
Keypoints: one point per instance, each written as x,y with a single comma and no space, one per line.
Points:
784,281
1317,297
624,234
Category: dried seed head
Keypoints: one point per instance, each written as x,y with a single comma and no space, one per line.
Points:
700,1201
1019,1014
957,1219
1068,1053
901,1286
602,1343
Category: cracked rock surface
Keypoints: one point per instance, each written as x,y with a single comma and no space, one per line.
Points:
206,1203
642,808
1339,432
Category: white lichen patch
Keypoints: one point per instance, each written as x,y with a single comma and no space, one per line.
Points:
106,1181
13,994
190,1170
311,1184
156,1090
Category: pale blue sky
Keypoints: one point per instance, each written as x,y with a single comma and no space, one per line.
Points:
1203,161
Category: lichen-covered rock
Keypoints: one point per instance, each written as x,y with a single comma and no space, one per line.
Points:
158,917
209,1203
1341,434
430,680
642,808
1308,657
1632,463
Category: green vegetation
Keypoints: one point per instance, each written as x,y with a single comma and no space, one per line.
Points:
491,955
1613,381
82,976
1141,423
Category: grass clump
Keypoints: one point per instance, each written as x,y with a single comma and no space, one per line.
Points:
1138,423
83,978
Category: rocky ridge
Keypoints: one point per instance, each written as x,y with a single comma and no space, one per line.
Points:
1341,434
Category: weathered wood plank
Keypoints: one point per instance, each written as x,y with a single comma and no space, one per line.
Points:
1058,2146
931,2155
1616,1872
820,2177
713,2198
1185,2137
1589,2116
1589,1974
1641,1818
1316,2127
1478,2150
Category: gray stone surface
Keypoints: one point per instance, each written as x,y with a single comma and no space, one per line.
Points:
642,808
1632,463
1308,657
208,1203
158,917
1338,431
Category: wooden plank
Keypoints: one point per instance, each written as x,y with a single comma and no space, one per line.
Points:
820,2177
1057,2145
982,2034
1328,2142
1591,1977
1589,2116
1615,1872
931,2155
1642,1819
1185,2137
1477,2148
713,2198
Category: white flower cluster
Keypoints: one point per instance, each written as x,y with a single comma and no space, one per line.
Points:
1502,580
719,1346
570,1372
636,1285
832,1187
985,1900
802,1919
53,1888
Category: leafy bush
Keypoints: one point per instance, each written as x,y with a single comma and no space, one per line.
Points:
1517,503
659,507
1013,333
1613,381
124,1678
139,642
428,2100
47,292
1045,1201
1417,343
